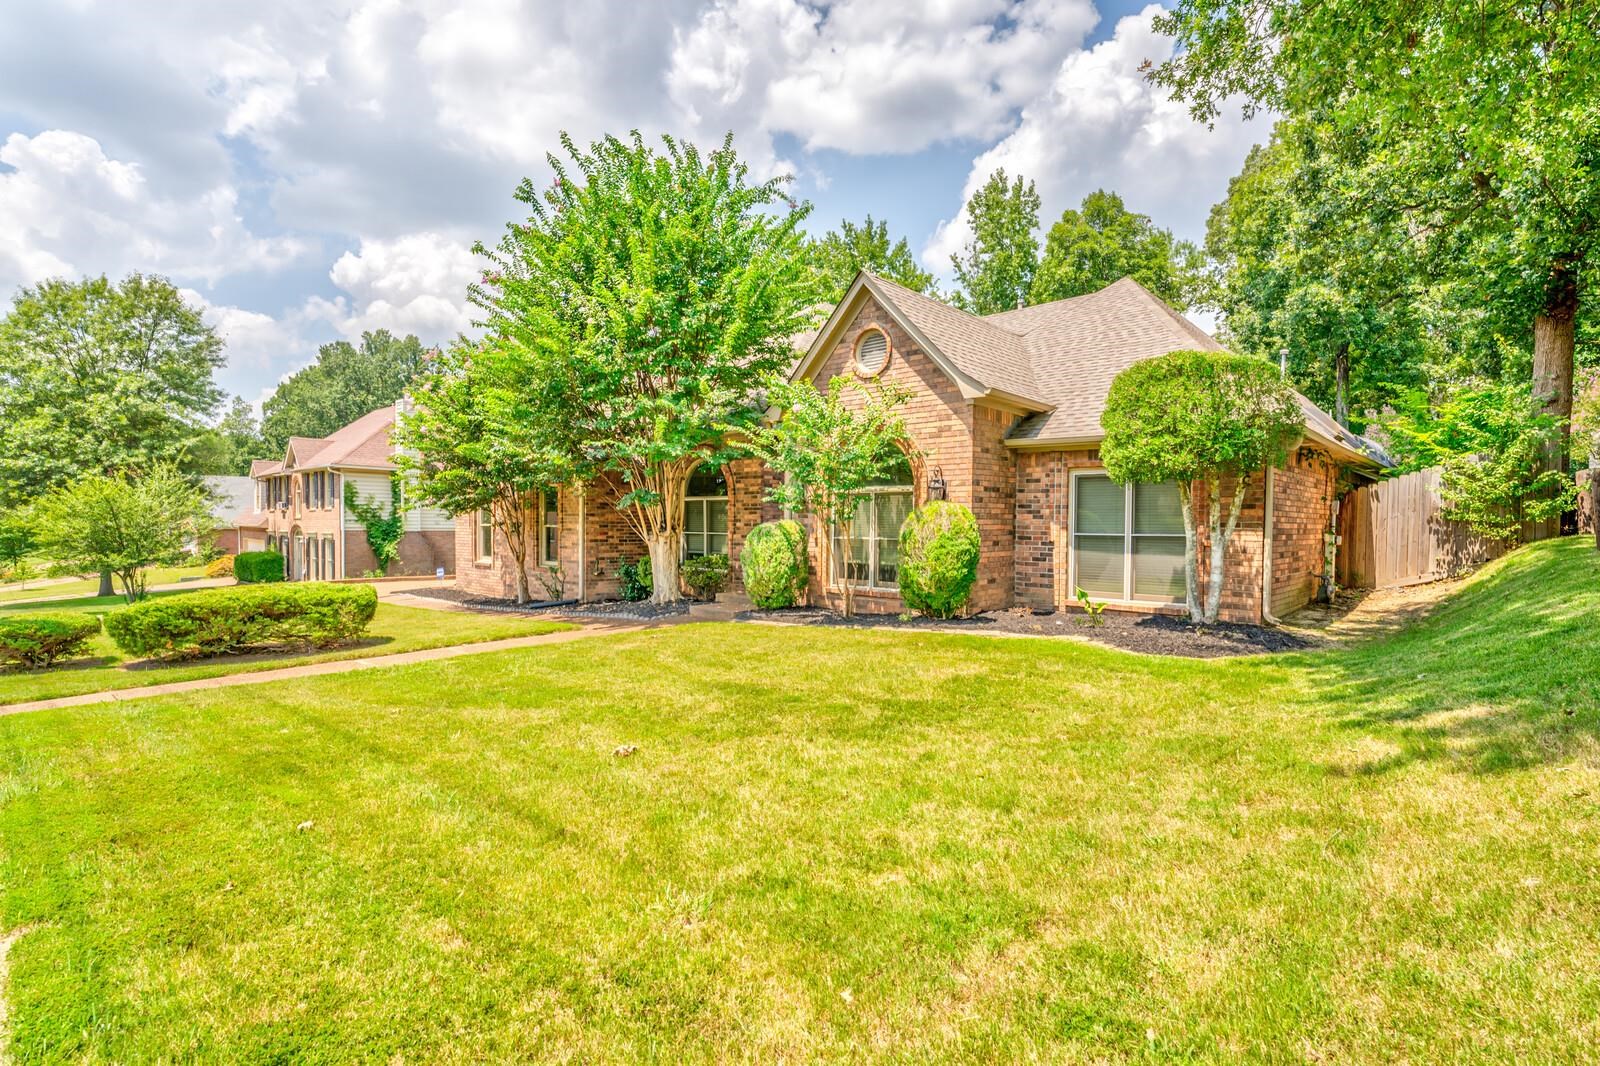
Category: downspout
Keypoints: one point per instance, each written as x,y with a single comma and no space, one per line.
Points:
340,543
1266,557
583,565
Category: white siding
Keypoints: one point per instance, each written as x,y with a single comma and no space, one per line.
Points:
369,488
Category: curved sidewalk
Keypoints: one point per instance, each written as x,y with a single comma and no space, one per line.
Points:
336,666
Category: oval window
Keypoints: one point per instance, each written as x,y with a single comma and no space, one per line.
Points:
872,352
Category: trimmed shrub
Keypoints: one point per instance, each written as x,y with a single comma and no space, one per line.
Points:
706,575
939,548
226,620
775,565
33,640
252,567
221,566
635,580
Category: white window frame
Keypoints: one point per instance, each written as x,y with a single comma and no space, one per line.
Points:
1127,598
482,523
704,504
545,528
837,580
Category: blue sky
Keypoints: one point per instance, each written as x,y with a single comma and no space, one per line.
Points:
307,170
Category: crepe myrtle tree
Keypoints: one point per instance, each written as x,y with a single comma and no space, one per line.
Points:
647,296
828,451
1200,419
467,445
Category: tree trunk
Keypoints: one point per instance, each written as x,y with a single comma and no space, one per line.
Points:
1214,573
664,568
1341,385
1191,560
1553,346
105,584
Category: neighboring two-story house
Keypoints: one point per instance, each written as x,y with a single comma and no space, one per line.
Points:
1004,417
302,499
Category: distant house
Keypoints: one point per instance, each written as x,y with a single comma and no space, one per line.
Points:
301,497
1004,417
238,526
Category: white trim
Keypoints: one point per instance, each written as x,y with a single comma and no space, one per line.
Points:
478,526
1128,599
545,560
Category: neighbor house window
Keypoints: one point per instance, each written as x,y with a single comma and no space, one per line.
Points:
485,533
705,513
313,559
549,528
872,352
327,558
875,533
1127,540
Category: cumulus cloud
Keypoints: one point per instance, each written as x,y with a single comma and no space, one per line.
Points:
862,76
67,208
414,284
1101,124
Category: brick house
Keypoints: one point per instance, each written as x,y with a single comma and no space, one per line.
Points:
1004,417
238,525
301,497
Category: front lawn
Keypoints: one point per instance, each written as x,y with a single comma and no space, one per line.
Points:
835,844
88,586
393,629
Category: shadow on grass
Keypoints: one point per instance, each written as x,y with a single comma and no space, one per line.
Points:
1504,674
65,666
258,655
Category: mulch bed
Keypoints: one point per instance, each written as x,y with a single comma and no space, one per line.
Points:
613,609
1153,634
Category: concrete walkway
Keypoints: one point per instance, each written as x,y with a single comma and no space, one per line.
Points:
337,666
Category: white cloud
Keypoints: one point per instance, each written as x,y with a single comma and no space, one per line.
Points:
1101,124
413,284
67,208
863,77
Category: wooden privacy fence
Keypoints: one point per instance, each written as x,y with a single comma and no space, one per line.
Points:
1392,533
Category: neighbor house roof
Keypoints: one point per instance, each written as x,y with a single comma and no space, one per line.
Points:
232,497
1054,361
362,443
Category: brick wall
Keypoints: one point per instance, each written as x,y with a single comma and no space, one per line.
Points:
1302,511
993,499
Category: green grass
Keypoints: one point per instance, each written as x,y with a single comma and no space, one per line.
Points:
835,844
36,589
393,629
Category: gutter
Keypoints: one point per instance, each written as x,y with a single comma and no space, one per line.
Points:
341,524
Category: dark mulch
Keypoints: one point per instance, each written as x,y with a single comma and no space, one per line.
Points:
1154,634
613,609
634,611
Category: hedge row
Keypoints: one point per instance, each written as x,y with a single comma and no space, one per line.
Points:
221,621
33,640
252,567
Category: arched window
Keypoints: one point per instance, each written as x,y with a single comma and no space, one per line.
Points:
875,533
705,513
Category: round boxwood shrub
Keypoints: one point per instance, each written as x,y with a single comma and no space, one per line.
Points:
252,567
706,575
39,639
939,548
221,621
775,565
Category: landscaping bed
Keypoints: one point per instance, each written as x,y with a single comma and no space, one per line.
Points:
629,610
1152,634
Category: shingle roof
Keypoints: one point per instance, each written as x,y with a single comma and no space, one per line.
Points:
1064,354
364,443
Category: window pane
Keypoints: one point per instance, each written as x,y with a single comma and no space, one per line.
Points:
1158,568
893,509
551,513
717,516
716,544
898,474
1157,509
1101,504
1100,563
694,544
550,547
708,480
694,516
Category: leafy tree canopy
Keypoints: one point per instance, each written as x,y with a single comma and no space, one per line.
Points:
995,270
98,377
842,252
230,445
647,297
1103,242
344,383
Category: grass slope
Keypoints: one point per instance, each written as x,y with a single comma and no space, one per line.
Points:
393,629
836,844
33,590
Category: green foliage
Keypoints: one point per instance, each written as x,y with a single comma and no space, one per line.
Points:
939,549
775,565
1094,614
344,383
123,525
38,639
17,541
829,446
221,566
228,620
1200,417
229,446
841,253
644,301
1491,441
384,526
635,580
96,377
251,568
706,575
1103,242
995,270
